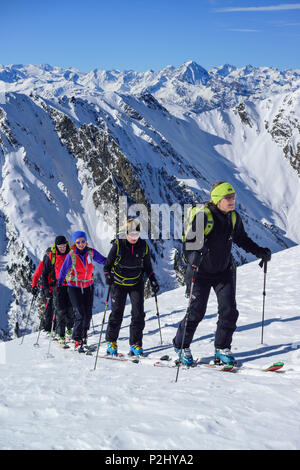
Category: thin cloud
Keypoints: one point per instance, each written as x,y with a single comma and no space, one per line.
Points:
287,6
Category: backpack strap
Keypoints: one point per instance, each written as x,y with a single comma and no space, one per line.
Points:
233,219
74,277
191,214
70,277
118,257
118,253
52,254
119,279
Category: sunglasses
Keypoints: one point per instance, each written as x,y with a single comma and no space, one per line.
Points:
134,234
78,242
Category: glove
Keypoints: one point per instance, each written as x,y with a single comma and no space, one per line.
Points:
108,279
47,293
196,256
265,254
35,291
154,285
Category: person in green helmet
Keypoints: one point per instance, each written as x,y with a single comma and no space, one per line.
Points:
222,225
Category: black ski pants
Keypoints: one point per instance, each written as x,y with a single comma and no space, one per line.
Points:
64,315
82,301
118,301
224,287
48,313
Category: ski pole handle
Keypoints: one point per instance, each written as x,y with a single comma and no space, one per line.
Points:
263,264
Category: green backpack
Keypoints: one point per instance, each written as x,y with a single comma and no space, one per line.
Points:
191,214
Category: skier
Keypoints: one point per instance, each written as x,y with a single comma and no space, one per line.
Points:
64,315
78,272
222,226
127,261
47,317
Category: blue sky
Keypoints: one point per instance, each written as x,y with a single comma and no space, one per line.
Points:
150,34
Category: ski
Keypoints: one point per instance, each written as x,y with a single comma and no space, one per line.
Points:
86,349
221,367
276,366
166,360
273,367
141,358
63,345
116,357
135,359
175,364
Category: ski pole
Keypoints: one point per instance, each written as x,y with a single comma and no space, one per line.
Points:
51,333
195,269
103,321
158,318
36,344
263,264
93,324
30,308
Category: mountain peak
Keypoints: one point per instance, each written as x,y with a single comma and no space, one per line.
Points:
224,70
192,73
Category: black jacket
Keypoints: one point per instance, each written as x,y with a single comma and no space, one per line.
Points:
218,243
129,261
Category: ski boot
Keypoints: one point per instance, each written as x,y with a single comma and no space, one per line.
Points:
78,346
224,356
185,357
69,334
112,348
136,350
62,342
85,338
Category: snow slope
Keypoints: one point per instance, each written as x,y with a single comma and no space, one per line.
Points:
70,143
61,403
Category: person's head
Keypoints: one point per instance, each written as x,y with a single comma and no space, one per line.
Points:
61,244
80,239
133,229
222,194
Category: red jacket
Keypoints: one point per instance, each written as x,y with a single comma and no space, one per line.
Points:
37,274
50,271
81,272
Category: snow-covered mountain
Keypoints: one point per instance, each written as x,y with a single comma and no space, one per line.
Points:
61,403
72,143
189,85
